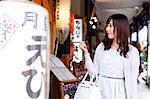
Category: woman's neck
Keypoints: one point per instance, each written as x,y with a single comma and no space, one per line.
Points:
114,45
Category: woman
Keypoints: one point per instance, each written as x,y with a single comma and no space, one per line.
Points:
115,60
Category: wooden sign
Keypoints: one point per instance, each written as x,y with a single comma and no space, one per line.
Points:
68,88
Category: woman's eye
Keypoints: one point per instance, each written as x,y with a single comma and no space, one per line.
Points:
107,25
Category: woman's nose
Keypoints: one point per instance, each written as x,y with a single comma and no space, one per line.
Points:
107,29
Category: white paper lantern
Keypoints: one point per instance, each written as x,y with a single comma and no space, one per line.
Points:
63,19
24,46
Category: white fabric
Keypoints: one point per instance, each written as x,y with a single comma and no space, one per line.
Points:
112,66
110,63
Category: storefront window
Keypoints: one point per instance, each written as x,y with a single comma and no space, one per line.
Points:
143,43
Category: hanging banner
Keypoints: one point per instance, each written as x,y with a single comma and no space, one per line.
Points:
76,38
24,46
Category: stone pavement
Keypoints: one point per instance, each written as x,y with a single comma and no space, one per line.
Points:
143,91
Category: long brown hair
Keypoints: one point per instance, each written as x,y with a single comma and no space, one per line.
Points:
121,26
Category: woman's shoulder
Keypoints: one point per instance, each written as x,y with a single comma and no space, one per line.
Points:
100,45
133,49
99,48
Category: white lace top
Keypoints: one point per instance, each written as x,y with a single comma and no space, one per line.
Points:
111,63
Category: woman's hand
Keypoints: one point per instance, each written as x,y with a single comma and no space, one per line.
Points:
83,46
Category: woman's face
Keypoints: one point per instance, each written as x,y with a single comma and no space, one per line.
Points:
110,30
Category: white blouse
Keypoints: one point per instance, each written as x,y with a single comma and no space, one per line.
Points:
111,64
